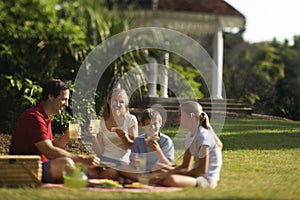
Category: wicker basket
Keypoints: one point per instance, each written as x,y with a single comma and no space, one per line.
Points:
20,170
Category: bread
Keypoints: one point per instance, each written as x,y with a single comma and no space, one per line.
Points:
152,138
114,129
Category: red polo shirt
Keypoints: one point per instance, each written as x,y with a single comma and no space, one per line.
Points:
33,126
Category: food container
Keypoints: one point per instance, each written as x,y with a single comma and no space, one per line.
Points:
74,177
20,170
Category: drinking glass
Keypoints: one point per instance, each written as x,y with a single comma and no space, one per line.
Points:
74,129
95,123
141,162
143,175
144,178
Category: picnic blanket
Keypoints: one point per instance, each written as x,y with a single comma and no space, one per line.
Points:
124,189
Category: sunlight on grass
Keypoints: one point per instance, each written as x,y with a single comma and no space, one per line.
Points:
256,173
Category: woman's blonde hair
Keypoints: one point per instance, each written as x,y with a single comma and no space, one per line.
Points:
115,92
202,117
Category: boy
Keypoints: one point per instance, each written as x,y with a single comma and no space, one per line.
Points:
155,148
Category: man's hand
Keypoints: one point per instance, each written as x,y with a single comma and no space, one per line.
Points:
90,161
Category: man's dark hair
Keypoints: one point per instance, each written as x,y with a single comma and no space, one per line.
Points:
54,87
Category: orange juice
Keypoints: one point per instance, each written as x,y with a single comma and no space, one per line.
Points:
73,130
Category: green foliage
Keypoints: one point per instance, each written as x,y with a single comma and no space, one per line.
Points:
190,74
18,93
30,91
288,92
36,45
264,74
44,39
268,63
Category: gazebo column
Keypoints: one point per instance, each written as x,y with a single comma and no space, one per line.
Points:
218,58
152,78
164,78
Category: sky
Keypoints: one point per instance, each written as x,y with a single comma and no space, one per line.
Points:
269,19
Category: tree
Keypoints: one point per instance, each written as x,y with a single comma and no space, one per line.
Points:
251,72
42,39
288,91
34,43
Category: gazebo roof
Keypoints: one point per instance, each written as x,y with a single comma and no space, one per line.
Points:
204,6
189,16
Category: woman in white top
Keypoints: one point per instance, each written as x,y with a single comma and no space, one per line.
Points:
118,128
202,144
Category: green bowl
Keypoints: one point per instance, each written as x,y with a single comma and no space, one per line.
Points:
74,182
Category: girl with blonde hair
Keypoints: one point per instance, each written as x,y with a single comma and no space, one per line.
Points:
202,145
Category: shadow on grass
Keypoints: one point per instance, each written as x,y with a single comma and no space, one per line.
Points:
264,141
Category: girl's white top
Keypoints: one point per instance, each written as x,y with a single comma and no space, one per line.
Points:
205,137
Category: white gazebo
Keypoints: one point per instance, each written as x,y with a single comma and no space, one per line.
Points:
192,17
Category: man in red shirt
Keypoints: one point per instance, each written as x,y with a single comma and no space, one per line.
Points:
33,134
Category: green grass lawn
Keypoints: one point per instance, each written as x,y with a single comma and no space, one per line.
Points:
261,161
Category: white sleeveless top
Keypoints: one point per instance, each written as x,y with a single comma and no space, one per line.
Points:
113,145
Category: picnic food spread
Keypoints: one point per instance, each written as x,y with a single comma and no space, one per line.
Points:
136,185
107,183
104,183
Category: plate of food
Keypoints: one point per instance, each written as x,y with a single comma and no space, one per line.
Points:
104,183
136,185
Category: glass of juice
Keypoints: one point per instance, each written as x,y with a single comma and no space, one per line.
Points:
74,129
95,123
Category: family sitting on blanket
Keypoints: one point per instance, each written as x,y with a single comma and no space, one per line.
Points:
117,142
